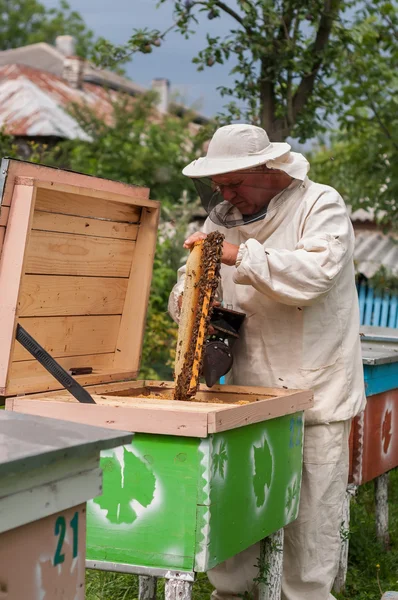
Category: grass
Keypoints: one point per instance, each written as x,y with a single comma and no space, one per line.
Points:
365,579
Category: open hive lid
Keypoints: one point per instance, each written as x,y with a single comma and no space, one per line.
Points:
76,258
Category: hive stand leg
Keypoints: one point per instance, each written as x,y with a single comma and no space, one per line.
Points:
381,497
147,587
271,565
177,589
339,582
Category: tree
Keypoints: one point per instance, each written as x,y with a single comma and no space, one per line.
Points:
361,159
25,22
284,53
133,144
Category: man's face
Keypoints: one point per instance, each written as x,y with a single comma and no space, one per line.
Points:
251,190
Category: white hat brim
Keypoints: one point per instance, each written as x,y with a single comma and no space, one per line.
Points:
207,167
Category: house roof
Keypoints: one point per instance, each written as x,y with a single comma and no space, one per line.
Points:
47,58
35,103
365,215
373,250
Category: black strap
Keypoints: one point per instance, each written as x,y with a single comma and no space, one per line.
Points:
51,365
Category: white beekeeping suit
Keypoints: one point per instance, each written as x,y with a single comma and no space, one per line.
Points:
294,279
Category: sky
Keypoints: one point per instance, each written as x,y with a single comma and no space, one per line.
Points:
115,20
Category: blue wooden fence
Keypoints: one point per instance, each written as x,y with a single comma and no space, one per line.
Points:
377,308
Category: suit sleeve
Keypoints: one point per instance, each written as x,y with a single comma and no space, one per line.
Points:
301,276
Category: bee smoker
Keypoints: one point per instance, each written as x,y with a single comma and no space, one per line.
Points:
217,357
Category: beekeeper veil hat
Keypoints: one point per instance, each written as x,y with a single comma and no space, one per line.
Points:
243,148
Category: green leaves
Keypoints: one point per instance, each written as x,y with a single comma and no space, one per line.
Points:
28,21
365,148
281,54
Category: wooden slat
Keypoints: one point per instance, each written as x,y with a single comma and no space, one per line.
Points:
12,265
71,336
167,422
231,417
2,232
63,254
29,376
254,390
149,403
55,295
56,177
47,221
4,212
93,192
132,327
47,383
100,388
84,206
167,390
165,417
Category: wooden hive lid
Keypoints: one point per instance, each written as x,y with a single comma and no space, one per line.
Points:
76,258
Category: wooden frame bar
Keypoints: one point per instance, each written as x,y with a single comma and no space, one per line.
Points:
143,413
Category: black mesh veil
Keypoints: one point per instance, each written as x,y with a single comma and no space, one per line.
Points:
220,211
224,213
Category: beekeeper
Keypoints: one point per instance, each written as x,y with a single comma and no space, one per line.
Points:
288,264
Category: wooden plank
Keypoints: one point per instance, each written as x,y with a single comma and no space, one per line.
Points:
152,415
12,264
131,333
237,416
64,254
381,510
84,206
248,389
4,212
92,192
151,404
138,420
46,384
55,177
98,388
47,221
127,391
55,295
205,395
71,336
28,375
2,234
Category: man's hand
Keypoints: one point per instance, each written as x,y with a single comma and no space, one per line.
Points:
229,251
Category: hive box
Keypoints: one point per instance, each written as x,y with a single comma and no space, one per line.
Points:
201,480
48,471
374,433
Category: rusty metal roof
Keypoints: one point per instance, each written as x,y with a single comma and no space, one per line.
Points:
45,57
373,250
364,215
35,103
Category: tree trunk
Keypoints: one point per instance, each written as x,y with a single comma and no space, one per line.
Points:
276,129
